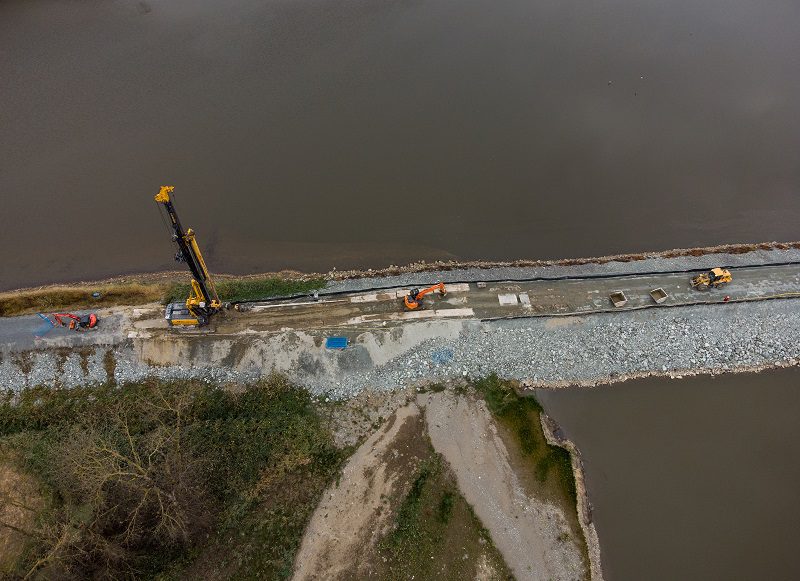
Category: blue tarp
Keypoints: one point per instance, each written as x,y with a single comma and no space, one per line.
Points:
336,343
48,326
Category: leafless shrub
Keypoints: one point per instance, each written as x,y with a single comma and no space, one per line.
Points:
130,483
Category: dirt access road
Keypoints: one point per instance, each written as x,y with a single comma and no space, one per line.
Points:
514,299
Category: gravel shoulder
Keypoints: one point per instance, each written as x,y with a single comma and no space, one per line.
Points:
667,261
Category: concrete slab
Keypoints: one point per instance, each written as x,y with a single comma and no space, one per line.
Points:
413,316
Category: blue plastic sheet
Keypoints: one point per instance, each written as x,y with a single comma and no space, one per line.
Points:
336,343
46,327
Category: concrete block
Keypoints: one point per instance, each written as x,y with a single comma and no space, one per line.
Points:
507,299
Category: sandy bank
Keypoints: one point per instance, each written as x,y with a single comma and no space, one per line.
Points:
534,536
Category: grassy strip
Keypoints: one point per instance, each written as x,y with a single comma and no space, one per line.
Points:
436,535
250,289
170,480
66,299
552,464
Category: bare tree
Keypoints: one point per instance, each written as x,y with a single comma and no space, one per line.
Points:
135,481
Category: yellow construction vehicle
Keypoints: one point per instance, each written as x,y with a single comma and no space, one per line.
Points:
714,278
203,301
413,300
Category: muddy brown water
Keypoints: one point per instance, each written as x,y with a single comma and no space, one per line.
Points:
696,478
315,133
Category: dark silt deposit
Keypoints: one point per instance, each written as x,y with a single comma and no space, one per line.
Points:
690,479
312,134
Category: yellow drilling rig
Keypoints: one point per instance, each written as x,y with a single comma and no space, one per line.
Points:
203,301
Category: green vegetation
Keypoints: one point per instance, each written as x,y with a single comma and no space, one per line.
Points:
169,479
434,528
73,298
520,415
67,299
249,289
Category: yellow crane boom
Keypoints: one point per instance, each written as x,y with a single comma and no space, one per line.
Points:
203,300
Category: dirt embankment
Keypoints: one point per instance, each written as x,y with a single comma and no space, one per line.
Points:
444,447
396,513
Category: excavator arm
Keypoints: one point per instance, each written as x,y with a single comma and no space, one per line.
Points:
203,300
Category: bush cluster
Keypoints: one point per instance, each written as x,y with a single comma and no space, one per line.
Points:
141,478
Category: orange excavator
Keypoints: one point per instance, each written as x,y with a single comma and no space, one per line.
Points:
413,300
76,322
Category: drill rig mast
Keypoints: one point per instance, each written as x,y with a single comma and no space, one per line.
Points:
203,301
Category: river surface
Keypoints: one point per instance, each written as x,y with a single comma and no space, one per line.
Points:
320,133
691,479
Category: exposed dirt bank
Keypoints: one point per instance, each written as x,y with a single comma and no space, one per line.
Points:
351,517
154,278
164,288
